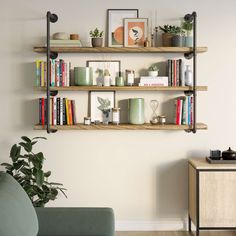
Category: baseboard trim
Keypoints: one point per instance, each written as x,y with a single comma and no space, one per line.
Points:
160,225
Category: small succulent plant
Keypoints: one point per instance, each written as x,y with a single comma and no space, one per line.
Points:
96,33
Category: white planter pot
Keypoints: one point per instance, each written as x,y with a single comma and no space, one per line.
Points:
153,73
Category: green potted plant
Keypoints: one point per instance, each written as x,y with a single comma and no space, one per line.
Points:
178,37
153,71
187,26
104,106
97,37
167,34
27,168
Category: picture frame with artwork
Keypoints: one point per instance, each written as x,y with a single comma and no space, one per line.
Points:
100,100
115,25
98,66
135,32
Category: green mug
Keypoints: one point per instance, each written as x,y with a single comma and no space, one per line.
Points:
136,111
83,76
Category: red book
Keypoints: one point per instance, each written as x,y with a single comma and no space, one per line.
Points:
178,111
42,111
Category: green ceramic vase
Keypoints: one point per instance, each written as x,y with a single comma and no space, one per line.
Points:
136,111
83,76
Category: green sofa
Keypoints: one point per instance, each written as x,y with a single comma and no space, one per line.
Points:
18,216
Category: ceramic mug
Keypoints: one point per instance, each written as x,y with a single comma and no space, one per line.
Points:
83,76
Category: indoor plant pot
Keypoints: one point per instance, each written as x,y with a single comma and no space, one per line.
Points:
96,36
97,42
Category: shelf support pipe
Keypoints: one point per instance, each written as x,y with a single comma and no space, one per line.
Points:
51,18
193,18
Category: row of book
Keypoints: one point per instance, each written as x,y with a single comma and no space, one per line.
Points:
184,110
59,73
175,71
62,111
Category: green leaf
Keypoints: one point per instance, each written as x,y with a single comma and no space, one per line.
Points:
26,171
53,183
61,189
17,165
13,152
34,142
47,174
6,164
26,139
39,178
39,138
26,146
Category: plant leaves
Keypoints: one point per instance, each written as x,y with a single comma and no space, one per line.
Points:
13,152
39,178
6,164
26,139
26,146
47,174
39,138
53,183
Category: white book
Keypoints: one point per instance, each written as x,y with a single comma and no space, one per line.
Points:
53,73
61,111
153,84
54,110
68,65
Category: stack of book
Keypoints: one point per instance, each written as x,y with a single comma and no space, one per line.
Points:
184,110
65,43
175,70
59,73
153,81
62,111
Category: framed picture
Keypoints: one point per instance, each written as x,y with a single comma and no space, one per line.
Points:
135,32
100,100
115,25
99,66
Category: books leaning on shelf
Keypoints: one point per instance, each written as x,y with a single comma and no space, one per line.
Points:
184,110
59,73
153,81
62,111
65,43
175,70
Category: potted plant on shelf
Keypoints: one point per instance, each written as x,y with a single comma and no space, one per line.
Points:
104,106
97,37
188,27
178,37
153,71
27,169
167,34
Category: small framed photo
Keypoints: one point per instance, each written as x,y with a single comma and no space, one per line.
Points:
99,66
136,31
115,25
100,100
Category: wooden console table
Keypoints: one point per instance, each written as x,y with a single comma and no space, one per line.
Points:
212,195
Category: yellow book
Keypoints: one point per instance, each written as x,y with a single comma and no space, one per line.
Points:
67,113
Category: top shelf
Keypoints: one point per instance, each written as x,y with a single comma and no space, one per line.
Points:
41,49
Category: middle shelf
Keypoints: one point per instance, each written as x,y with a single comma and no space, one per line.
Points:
124,88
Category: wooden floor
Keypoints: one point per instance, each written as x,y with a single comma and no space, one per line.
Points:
176,233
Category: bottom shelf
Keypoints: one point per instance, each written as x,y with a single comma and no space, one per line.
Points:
199,126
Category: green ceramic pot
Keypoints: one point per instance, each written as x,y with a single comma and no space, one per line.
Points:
136,111
120,81
83,76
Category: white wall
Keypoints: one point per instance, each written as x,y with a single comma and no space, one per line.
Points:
141,174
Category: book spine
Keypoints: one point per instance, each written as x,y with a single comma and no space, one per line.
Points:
174,74
45,73
189,110
58,111
40,111
169,72
180,73
64,112
61,111
63,73
184,112
68,73
70,112
57,73
73,112
67,113
177,111
37,68
53,73
180,111
191,99
45,111
42,73
54,111
177,73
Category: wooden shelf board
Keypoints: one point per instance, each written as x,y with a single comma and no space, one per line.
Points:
123,88
200,126
41,49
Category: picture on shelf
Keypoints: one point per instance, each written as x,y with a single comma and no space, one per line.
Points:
99,102
115,25
101,66
135,32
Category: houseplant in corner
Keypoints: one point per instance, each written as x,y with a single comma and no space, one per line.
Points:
27,168
97,37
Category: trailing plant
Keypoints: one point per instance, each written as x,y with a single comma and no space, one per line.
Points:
27,168
96,33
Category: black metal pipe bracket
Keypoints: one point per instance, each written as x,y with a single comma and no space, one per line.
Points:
51,18
193,55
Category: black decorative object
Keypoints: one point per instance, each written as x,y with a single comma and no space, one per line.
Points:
229,154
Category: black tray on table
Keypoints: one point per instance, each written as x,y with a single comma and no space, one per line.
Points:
220,161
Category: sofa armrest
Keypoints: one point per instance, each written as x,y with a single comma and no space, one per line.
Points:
79,221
